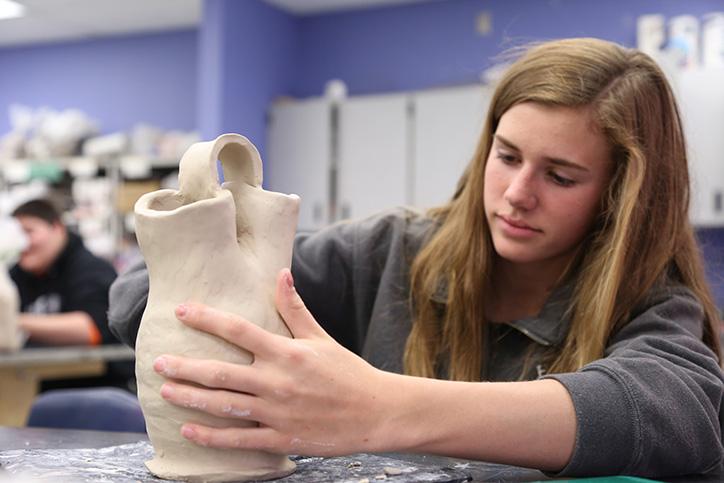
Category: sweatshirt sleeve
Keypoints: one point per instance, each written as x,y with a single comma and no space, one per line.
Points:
322,269
88,292
127,301
652,406
340,271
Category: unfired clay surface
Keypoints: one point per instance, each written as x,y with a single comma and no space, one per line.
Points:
10,339
222,247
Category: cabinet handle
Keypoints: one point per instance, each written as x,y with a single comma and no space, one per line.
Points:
717,201
317,212
346,210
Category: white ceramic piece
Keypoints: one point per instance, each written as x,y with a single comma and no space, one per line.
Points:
10,337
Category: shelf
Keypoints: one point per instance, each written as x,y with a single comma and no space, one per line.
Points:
130,166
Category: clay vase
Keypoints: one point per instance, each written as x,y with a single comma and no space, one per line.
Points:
10,339
222,246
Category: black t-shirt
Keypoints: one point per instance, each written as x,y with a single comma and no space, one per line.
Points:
77,281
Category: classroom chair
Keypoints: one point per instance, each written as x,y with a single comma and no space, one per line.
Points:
102,409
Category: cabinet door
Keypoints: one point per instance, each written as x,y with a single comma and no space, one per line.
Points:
374,158
298,161
701,95
447,127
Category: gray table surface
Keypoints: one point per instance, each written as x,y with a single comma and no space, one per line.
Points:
51,355
42,438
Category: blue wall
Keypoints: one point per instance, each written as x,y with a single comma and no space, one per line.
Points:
118,81
247,52
246,60
432,44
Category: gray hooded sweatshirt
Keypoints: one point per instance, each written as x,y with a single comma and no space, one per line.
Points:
652,406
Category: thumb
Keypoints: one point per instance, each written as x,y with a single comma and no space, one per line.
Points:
291,307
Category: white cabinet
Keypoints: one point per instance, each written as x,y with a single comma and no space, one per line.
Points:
299,156
374,154
370,153
382,151
701,96
447,124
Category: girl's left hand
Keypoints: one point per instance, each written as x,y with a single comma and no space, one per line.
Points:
309,394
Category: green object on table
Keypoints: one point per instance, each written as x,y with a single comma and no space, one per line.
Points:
46,170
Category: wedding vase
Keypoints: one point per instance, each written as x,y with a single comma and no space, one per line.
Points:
221,245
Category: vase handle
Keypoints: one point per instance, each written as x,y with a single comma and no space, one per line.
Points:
198,173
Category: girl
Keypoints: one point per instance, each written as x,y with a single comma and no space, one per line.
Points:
554,314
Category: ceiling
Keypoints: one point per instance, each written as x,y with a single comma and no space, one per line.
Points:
62,20
58,20
307,7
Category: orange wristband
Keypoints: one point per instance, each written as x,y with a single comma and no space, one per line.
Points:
94,335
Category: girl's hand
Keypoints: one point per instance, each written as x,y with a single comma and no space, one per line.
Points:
309,395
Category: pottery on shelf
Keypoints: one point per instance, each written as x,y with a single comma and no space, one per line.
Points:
10,337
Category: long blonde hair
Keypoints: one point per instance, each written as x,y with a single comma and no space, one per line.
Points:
642,234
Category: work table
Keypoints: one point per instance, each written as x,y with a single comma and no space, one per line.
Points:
332,470
21,373
343,469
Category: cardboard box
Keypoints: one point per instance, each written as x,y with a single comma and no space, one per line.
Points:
130,191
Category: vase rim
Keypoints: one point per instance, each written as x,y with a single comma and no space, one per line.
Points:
143,205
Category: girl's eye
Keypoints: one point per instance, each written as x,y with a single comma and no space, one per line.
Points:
507,158
560,180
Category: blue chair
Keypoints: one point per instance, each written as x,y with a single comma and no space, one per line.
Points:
102,409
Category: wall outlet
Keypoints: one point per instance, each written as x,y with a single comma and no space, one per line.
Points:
484,23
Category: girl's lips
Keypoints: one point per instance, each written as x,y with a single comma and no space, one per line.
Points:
518,229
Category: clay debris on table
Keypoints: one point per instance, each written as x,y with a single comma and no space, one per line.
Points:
126,463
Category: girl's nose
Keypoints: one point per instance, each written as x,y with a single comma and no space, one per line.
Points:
521,192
